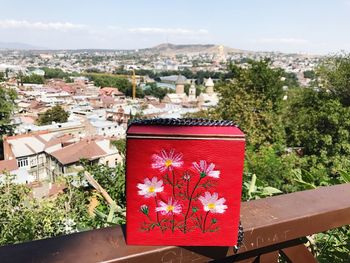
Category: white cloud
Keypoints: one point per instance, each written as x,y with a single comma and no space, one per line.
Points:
174,31
24,24
294,41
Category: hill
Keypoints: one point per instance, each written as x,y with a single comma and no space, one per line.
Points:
171,49
18,46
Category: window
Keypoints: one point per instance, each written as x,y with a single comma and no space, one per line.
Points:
21,162
109,128
107,163
103,129
33,161
41,159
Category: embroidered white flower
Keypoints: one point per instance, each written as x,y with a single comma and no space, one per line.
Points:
150,188
206,170
172,207
164,160
212,203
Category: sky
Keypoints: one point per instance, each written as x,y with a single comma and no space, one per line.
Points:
301,26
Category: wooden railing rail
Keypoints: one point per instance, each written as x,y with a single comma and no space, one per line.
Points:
272,226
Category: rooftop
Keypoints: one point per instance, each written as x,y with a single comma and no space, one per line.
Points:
8,165
84,149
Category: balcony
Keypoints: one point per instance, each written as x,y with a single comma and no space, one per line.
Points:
272,227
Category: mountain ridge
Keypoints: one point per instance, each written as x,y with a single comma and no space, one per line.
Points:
18,46
177,49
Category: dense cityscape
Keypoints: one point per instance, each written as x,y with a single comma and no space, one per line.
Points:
97,113
102,109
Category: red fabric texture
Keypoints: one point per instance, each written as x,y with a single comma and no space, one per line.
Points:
183,192
186,130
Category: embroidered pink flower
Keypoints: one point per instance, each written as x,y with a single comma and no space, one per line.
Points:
206,170
172,207
164,160
212,203
150,188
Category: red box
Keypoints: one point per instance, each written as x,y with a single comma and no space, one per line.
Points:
184,182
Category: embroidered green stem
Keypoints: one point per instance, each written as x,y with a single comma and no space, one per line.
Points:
189,204
173,184
188,188
205,219
155,199
173,224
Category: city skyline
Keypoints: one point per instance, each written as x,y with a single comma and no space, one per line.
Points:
317,27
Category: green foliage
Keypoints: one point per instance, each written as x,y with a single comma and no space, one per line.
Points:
298,144
198,75
320,124
7,106
105,80
108,80
2,76
24,218
253,99
56,114
333,245
139,92
273,167
260,79
255,189
291,79
113,181
33,79
120,145
155,91
334,76
309,74
55,73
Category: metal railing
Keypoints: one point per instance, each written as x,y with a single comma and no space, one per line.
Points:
272,226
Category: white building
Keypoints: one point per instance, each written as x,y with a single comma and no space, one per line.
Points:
208,98
180,96
108,128
44,156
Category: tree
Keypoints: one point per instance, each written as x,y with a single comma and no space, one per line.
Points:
105,80
120,145
155,91
7,102
334,76
78,208
55,114
52,73
320,124
33,79
291,79
309,74
317,120
7,106
139,92
7,70
24,218
253,99
2,76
